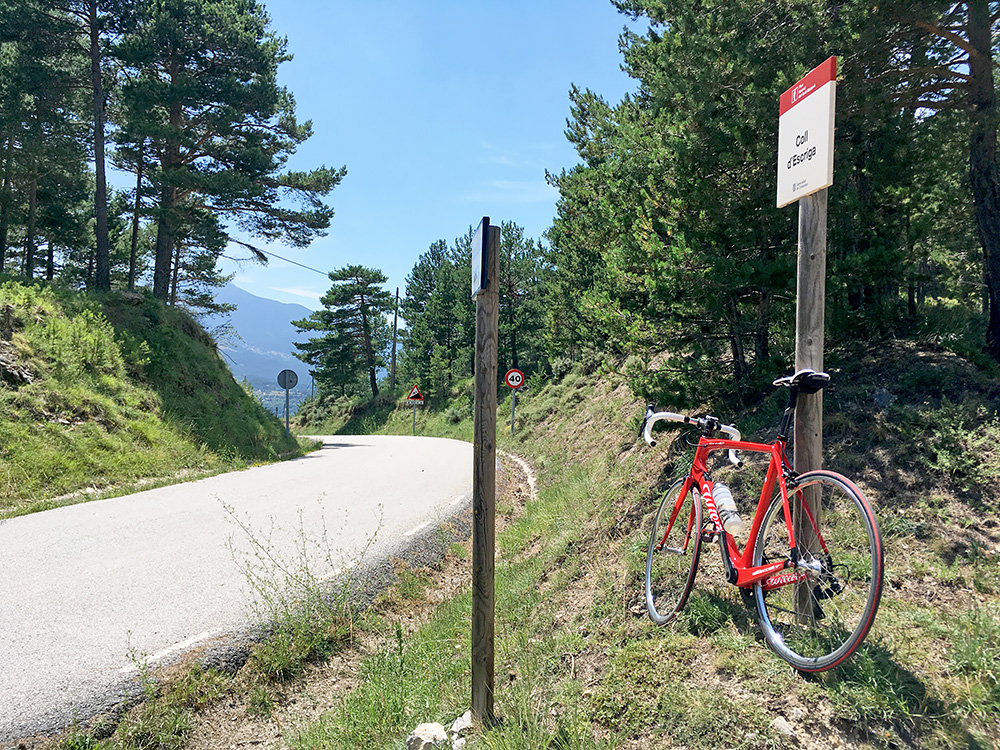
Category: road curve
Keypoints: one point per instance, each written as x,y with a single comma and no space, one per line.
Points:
89,591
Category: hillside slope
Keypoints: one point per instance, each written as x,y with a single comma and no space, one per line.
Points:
103,391
578,663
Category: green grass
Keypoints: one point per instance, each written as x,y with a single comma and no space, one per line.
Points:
578,667
101,393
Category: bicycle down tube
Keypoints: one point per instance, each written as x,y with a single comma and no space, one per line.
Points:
739,562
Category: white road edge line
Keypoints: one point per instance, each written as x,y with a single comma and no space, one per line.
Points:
415,529
179,646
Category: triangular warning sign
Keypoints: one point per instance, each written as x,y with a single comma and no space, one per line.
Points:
415,395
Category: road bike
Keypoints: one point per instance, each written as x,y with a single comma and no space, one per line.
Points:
812,563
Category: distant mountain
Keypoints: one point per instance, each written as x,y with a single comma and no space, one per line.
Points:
262,344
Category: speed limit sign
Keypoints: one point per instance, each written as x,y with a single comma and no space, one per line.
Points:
514,378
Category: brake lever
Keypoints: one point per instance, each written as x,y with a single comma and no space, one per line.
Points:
649,413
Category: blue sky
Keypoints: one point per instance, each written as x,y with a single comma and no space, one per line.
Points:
442,111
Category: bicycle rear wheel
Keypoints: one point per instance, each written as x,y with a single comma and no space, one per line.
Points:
816,622
672,558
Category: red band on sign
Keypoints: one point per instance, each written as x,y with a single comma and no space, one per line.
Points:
815,79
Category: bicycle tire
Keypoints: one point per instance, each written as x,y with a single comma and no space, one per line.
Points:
672,557
817,623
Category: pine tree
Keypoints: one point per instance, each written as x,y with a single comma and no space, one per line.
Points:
354,330
203,92
944,61
41,127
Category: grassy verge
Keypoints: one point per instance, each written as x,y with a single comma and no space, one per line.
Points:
578,664
101,394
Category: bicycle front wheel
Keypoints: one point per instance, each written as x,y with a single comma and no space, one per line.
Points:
672,558
816,614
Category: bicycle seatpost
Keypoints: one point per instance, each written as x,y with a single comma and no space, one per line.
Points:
786,418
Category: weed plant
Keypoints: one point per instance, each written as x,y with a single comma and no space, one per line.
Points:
300,600
578,665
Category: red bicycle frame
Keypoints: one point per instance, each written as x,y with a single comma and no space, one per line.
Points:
739,569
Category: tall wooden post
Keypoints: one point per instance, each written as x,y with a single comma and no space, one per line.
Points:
809,331
484,487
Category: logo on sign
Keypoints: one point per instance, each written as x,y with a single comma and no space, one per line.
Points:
801,91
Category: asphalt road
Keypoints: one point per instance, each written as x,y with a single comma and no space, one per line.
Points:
90,592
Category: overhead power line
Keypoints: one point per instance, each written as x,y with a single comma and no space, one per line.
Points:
266,254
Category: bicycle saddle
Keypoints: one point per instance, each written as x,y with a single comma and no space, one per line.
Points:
805,381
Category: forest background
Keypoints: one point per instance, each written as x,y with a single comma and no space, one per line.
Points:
665,239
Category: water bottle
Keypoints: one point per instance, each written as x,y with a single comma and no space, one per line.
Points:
726,506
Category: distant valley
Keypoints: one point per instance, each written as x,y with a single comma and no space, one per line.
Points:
256,340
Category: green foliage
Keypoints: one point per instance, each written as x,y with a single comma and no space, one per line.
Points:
152,727
296,642
355,333
439,340
975,655
104,391
667,246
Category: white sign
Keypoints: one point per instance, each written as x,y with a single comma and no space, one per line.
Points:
805,134
415,397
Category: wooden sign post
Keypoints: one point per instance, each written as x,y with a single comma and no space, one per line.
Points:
805,172
485,286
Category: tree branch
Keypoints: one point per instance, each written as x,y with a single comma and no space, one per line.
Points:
943,33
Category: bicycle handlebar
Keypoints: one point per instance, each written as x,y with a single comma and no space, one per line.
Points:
705,424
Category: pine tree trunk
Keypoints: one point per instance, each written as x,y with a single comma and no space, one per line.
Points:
165,241
176,274
166,228
102,281
29,235
736,342
762,348
366,334
5,202
50,262
983,170
133,254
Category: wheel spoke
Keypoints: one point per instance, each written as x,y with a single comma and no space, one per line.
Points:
672,557
818,622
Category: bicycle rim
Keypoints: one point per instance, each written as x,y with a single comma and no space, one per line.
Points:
672,557
816,623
